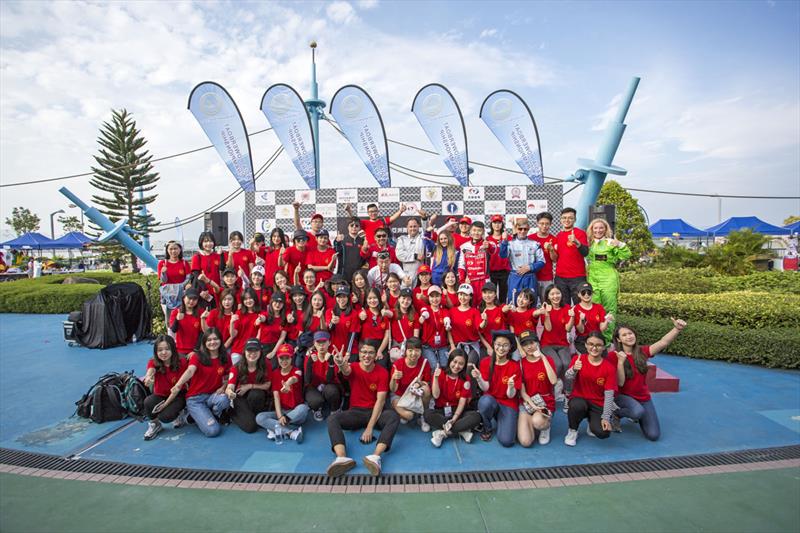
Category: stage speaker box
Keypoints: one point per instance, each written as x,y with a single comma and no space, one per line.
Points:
217,223
607,213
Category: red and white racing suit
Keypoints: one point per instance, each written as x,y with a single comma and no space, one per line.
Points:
473,264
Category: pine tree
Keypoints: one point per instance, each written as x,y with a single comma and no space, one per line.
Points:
631,225
123,170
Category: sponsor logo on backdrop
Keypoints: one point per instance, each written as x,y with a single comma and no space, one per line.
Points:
432,105
361,209
495,207
281,103
516,192
265,225
346,196
388,195
501,109
305,197
412,209
265,198
452,208
431,194
473,193
352,105
210,105
284,211
326,210
534,207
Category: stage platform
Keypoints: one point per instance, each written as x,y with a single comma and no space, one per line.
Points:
720,407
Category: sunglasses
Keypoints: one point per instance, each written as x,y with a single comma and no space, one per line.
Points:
589,293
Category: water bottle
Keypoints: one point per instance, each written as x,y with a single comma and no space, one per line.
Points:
278,435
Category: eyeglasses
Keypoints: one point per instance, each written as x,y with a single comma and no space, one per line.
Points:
594,346
526,228
381,237
502,346
367,351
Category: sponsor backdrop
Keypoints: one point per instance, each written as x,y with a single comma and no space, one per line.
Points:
265,210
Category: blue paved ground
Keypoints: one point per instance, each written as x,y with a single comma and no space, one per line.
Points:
721,407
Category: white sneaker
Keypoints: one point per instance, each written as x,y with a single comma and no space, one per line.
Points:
544,436
589,431
340,466
437,437
270,434
373,464
403,421
297,435
572,437
424,426
182,420
318,415
153,429
467,436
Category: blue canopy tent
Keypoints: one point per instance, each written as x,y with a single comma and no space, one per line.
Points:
794,227
33,241
668,227
73,239
738,223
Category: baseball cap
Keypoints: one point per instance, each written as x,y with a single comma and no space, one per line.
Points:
424,269
527,337
466,288
227,271
585,287
496,218
300,234
253,345
406,292
258,269
278,297
489,286
342,291
317,215
505,334
296,289
465,220
285,350
323,232
452,219
320,336
258,237
192,293
434,288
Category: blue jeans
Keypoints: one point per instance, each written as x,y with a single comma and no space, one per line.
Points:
204,408
269,420
644,412
436,356
506,417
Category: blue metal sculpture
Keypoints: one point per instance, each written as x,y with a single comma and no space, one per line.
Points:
315,106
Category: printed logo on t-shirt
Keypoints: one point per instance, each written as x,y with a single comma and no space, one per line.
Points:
541,376
468,323
597,317
529,324
373,387
505,380
220,371
215,262
180,271
497,320
600,381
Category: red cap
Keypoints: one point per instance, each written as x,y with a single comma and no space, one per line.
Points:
424,268
497,218
285,350
454,219
317,215
465,220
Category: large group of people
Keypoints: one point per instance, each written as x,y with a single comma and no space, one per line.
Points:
454,329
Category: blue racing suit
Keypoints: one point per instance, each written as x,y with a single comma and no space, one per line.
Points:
521,252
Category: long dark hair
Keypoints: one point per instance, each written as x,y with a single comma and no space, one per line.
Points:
280,233
256,301
482,305
338,311
174,358
308,315
241,369
639,358
398,310
531,298
458,352
204,355
377,293
166,250
194,309
550,288
361,294
271,316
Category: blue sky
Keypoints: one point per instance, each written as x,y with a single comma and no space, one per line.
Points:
717,111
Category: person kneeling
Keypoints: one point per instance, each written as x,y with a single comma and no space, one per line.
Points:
322,382
452,391
409,377
369,385
537,402
287,391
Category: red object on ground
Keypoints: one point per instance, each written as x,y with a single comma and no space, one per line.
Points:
790,263
659,380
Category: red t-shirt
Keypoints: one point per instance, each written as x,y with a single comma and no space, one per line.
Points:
465,324
496,320
250,379
498,386
570,264
534,375
206,379
293,398
293,257
592,381
546,273
321,258
520,321
241,258
409,373
403,327
189,330
246,328
557,336
319,372
451,297
374,326
371,226
594,315
459,239
365,386
264,294
432,326
208,264
451,390
340,333
497,263
220,321
271,332
176,272
420,298
164,381
635,386
270,257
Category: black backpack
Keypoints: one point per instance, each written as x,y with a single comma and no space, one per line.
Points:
133,395
106,399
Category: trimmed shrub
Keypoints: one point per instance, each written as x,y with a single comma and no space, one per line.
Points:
771,347
704,280
744,309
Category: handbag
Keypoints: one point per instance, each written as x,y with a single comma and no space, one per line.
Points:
411,399
396,352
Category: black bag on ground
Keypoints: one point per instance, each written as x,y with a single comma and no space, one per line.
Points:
113,397
114,316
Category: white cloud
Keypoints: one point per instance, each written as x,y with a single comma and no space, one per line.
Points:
341,12
367,4
488,32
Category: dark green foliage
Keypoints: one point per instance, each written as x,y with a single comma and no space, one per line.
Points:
704,280
631,224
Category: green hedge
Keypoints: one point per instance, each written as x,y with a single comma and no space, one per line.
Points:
704,280
771,347
743,309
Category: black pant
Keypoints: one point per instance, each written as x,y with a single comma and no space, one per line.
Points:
169,413
331,394
580,408
500,278
468,420
246,407
358,418
569,289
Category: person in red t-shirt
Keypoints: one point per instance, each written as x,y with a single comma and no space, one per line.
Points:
557,319
164,370
273,329
343,322
462,235
245,324
317,221
544,277
220,317
537,402
434,335
322,385
594,383
322,259
464,325
499,267
184,322
173,273
206,267
238,257
293,260
572,248
499,379
493,316
207,375
374,222
452,391
248,383
589,316
375,326
369,385
634,399
287,392
381,244
409,372
404,323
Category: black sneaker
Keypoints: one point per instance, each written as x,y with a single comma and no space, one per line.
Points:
225,417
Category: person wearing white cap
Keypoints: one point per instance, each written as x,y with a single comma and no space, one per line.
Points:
436,339
464,325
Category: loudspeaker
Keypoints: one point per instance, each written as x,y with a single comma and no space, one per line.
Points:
217,223
607,213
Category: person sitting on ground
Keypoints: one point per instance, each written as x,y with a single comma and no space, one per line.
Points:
409,372
287,392
452,391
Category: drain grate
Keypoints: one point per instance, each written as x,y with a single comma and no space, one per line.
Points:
88,466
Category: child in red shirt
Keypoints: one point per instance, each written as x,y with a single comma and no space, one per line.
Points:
164,370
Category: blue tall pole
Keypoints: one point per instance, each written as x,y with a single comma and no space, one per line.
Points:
594,173
314,106
143,213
